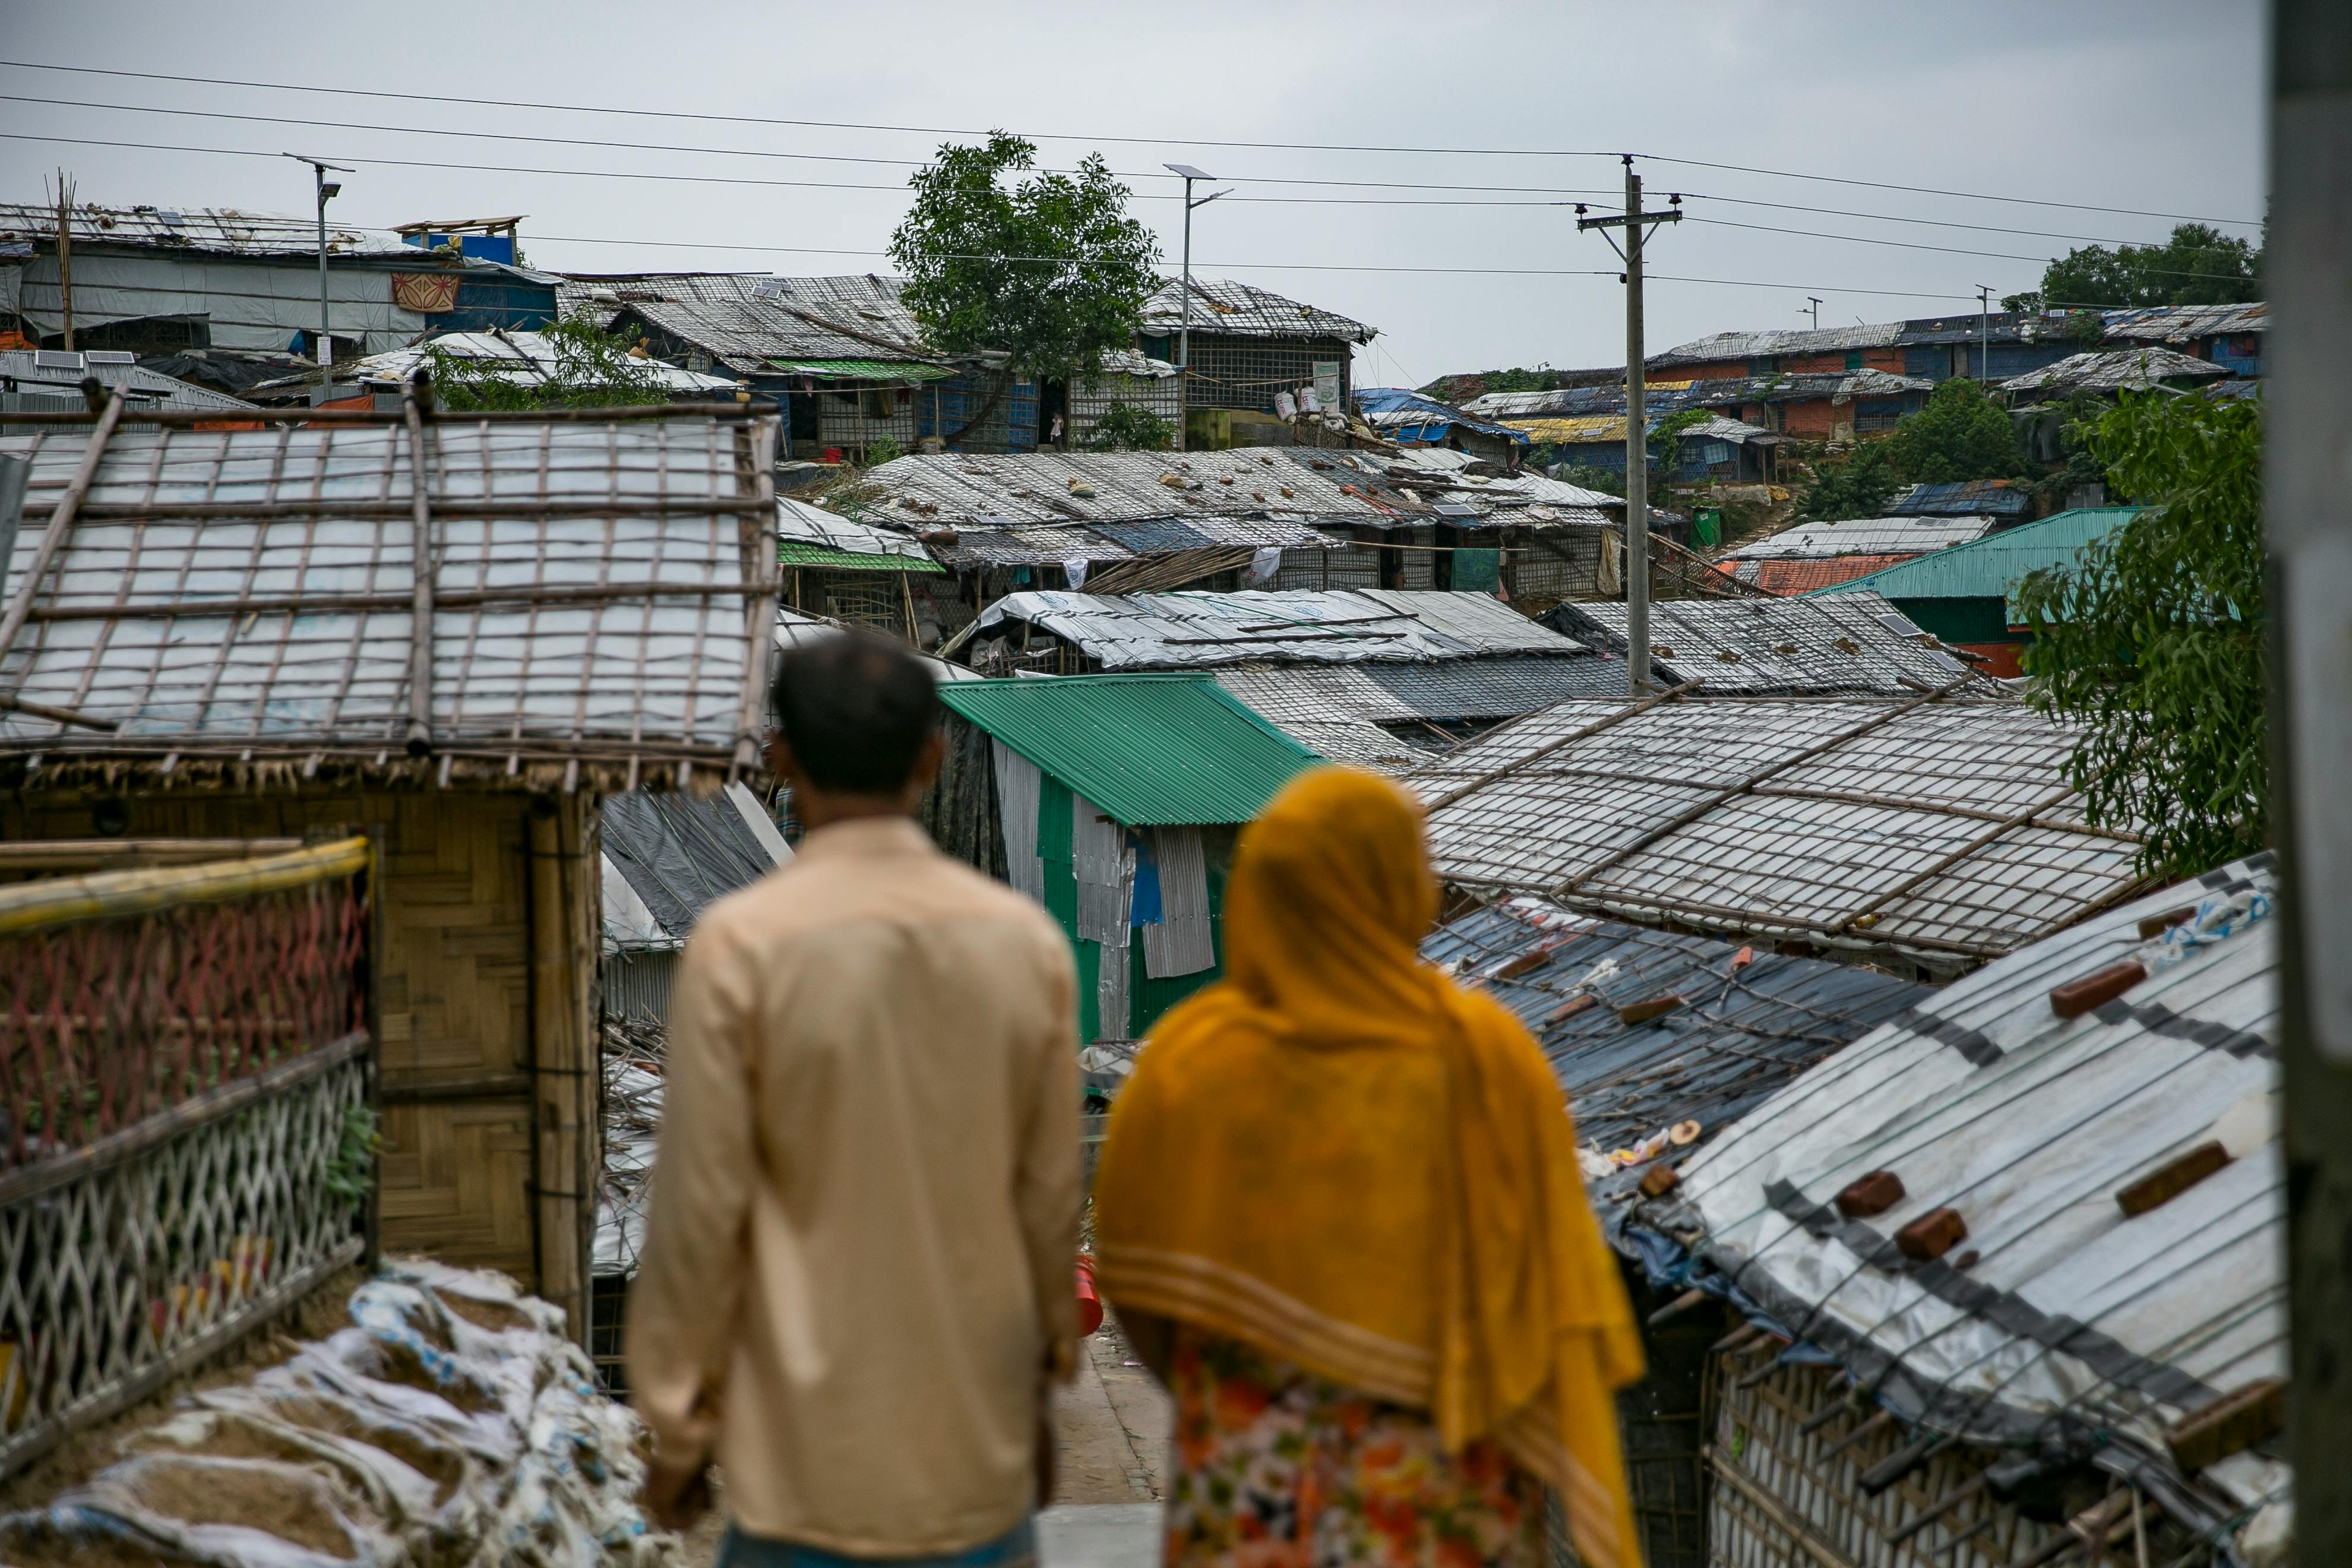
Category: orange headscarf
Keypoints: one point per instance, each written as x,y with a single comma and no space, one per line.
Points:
1339,1156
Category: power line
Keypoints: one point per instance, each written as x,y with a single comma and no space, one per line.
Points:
1126,141
1933,191
1549,191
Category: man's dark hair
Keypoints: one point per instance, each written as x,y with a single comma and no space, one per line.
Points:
855,709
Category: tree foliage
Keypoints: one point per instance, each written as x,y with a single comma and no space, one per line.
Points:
1860,484
592,369
1048,268
2198,265
1962,434
1131,427
2152,639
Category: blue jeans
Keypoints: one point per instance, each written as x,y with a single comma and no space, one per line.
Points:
1016,1548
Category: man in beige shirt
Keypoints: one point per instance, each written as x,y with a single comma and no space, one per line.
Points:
858,1275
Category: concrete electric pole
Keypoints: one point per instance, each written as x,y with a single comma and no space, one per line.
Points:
2308,540
1636,225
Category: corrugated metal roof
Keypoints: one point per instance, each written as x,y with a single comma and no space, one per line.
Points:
2185,323
1151,749
1989,568
1768,647
1385,715
2070,1327
1747,1020
1228,309
2115,370
1786,578
1941,829
199,632
1972,497
55,372
225,231
1198,630
1773,344
1863,536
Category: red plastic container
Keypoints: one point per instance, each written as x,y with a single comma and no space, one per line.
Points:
1091,1307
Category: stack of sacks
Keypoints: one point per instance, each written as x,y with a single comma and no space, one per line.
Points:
453,1424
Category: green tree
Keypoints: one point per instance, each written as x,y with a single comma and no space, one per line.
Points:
1860,484
2198,265
592,369
1962,434
1049,270
2152,639
1131,427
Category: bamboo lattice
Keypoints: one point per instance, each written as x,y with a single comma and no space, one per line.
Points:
182,1052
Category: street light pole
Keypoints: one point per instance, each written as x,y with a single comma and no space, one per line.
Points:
327,189
1637,459
1185,341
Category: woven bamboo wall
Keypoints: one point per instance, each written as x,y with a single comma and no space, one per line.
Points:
454,993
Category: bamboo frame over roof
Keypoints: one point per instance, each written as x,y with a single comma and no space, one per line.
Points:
246,600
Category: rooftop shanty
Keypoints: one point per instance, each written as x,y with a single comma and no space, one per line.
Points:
2110,1165
1972,498
1200,630
2117,369
1771,646
1863,536
519,359
252,596
1230,309
1934,829
1380,677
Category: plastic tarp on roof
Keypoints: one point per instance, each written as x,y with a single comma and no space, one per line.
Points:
1409,415
805,527
1198,630
676,855
1865,536
1150,750
2115,370
1972,498
1760,647
1936,828
2072,1327
139,619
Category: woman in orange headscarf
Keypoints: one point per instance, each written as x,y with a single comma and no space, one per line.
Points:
1340,1215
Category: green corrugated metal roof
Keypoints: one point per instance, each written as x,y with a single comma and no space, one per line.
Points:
799,553
1990,567
1152,751
861,368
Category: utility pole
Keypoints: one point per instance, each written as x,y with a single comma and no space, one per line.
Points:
65,256
1637,446
1184,342
328,190
1814,300
1984,335
2308,543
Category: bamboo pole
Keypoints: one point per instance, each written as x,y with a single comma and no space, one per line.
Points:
422,566
70,716
61,521
311,603
112,895
304,415
62,854
565,1162
755,450
530,509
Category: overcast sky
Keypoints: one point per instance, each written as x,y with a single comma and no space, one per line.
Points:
2150,105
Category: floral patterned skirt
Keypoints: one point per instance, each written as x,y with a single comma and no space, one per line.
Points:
1274,1469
